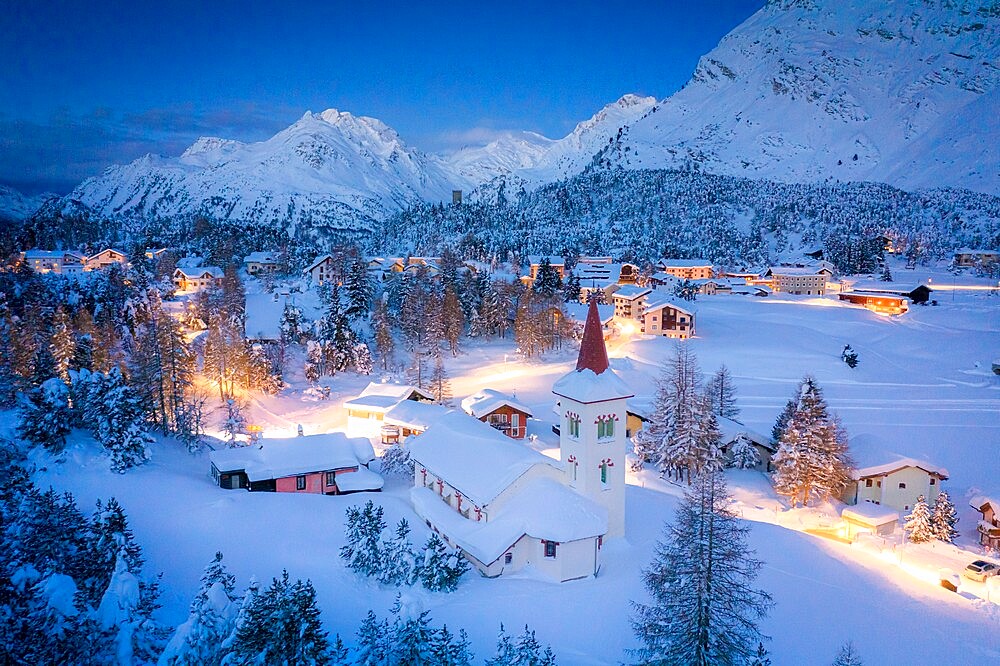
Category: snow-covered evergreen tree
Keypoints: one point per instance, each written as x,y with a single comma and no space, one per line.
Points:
440,384
210,621
849,356
363,532
63,345
373,644
399,566
781,423
918,524
547,281
446,651
744,454
411,638
120,426
361,359
396,461
944,518
235,422
452,319
722,394
812,461
441,568
704,608
886,276
359,289
848,656
384,342
44,416
126,611
761,658
525,650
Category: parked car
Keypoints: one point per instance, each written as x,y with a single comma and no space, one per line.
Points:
981,570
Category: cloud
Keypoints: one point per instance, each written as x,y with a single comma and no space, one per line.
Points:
61,151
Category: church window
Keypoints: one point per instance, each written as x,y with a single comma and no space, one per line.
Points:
604,473
605,427
573,425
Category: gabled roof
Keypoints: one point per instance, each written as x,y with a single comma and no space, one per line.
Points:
733,429
319,260
276,458
261,258
190,262
898,464
488,401
200,272
658,300
566,516
415,415
402,391
537,259
979,502
107,249
631,292
474,458
684,263
380,397
869,513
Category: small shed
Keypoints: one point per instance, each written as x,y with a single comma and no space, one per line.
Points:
869,518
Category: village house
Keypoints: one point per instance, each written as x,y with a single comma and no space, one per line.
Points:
535,262
410,417
661,279
917,293
686,269
366,412
507,506
104,259
499,410
257,263
576,317
733,430
868,518
155,253
989,525
629,302
881,303
329,464
668,318
966,257
896,484
325,270
61,262
197,279
802,280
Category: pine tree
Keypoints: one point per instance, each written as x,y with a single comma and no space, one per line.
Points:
547,281
704,607
373,642
849,356
944,519
210,620
363,532
744,453
504,651
398,561
918,524
384,342
571,290
452,319
396,461
812,461
235,423
761,658
110,539
45,416
442,568
722,394
119,426
848,656
781,424
446,651
886,275
63,345
411,639
527,651
359,289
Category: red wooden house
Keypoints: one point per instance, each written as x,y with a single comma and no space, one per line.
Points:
989,526
500,410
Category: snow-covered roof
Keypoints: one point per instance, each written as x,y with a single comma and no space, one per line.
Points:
870,513
276,458
663,277
488,401
537,259
197,272
658,300
684,263
378,396
362,479
898,464
190,262
415,415
473,457
577,312
567,516
732,429
966,250
260,258
796,270
871,294
887,287
631,292
319,260
586,386
979,501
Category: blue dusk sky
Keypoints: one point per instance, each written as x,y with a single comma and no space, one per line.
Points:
87,84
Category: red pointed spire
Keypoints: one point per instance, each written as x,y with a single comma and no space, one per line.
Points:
593,353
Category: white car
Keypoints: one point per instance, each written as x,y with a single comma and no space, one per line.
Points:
981,570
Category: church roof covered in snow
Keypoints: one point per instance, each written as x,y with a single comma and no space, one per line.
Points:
593,380
276,458
542,509
488,401
474,458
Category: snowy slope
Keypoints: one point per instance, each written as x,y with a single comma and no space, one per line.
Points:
803,86
507,153
334,166
17,206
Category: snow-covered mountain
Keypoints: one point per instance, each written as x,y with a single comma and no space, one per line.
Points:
17,206
328,169
509,152
899,91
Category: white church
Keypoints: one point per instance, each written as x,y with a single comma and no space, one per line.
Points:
508,507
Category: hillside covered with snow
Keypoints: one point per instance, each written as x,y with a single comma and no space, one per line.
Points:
901,92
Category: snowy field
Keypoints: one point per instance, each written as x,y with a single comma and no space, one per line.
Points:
923,388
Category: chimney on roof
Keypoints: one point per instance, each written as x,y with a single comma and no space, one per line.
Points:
593,353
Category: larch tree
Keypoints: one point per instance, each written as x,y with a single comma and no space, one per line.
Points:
812,461
440,384
703,607
848,656
722,394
